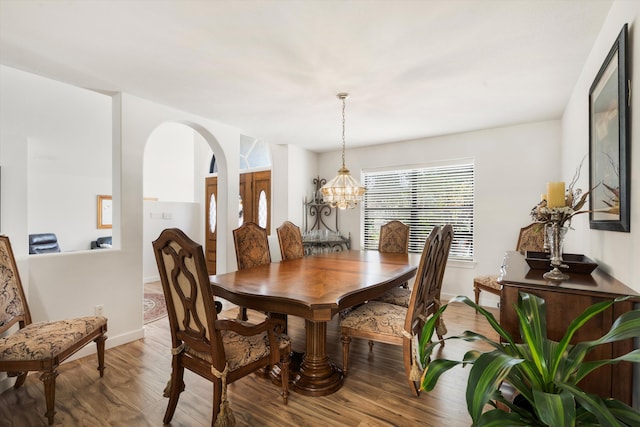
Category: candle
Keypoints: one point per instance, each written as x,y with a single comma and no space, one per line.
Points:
555,194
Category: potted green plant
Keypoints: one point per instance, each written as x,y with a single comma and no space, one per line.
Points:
544,373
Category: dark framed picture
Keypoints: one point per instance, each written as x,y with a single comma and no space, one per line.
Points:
609,155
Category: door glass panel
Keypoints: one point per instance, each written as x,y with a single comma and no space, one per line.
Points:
212,213
262,210
240,211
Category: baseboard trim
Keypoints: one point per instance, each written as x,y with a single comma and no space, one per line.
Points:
110,343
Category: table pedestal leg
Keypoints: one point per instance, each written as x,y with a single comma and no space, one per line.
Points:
318,376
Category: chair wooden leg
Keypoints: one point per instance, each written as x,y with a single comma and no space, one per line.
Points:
242,314
217,400
20,380
100,350
285,360
476,290
48,378
345,354
174,388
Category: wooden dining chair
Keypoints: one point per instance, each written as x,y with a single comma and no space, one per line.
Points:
41,346
397,325
530,238
252,250
394,238
220,350
290,240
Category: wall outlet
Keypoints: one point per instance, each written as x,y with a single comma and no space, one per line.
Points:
99,310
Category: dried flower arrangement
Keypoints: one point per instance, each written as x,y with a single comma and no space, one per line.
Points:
574,200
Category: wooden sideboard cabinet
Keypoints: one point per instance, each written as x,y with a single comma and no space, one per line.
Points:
564,302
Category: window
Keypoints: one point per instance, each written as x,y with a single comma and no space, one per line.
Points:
422,198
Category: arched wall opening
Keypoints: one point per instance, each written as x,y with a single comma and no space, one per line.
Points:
176,161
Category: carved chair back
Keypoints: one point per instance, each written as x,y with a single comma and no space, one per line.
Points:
252,246
290,240
434,287
394,238
531,238
190,305
13,304
425,277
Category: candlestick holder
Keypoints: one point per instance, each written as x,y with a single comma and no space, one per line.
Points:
555,237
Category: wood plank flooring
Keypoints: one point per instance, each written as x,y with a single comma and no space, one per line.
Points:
130,393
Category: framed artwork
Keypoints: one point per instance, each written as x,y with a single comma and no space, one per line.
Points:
105,209
609,155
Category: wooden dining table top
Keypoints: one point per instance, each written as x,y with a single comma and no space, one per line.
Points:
315,287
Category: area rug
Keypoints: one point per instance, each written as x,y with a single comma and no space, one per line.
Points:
155,307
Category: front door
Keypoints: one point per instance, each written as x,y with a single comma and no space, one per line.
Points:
211,222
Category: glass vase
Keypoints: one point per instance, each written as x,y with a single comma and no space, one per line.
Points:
555,234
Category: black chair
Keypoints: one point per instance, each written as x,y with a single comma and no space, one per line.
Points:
43,243
101,243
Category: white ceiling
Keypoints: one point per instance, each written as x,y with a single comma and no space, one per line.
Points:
272,68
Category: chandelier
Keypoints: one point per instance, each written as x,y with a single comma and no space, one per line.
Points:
343,191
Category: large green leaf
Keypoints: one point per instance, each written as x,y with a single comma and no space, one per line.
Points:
558,410
576,324
529,316
587,367
500,418
425,345
433,371
626,326
623,412
506,336
592,403
486,375
534,311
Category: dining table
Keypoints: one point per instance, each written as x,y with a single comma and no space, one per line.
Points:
315,288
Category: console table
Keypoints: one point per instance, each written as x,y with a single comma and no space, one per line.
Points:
564,302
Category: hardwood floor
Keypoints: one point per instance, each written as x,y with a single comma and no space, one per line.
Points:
130,393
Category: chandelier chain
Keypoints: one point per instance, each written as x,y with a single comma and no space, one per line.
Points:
343,126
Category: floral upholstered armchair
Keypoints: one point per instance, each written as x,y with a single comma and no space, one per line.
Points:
39,346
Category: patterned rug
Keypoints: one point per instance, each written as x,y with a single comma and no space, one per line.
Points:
155,307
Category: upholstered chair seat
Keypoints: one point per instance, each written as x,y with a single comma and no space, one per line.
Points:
396,296
241,350
377,317
47,340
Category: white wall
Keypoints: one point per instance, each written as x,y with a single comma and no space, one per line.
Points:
169,164
67,132
292,178
161,215
512,167
616,252
176,162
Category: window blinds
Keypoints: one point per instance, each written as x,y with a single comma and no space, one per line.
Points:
422,198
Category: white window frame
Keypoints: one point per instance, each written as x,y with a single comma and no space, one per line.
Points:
418,210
